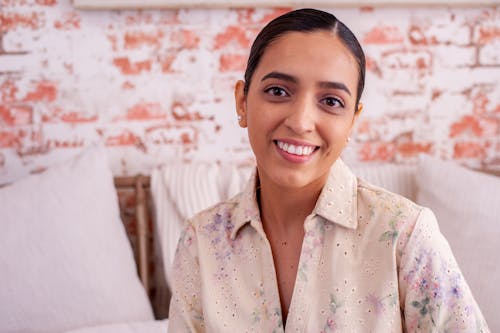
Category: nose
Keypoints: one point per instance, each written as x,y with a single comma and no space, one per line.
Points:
300,118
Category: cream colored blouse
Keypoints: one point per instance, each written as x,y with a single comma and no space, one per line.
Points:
371,261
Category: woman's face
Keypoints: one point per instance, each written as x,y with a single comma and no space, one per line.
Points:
299,108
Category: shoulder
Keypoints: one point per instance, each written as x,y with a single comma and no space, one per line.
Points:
393,216
382,201
207,216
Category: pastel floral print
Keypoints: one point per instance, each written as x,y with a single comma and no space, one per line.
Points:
371,261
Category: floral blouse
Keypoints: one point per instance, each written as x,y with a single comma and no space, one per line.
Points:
371,261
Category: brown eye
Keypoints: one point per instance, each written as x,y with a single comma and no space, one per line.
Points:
332,102
276,91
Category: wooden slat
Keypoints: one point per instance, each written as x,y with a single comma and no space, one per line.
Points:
130,181
139,184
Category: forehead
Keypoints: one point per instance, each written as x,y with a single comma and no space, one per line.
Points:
318,55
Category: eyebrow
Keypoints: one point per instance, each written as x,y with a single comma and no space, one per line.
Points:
292,79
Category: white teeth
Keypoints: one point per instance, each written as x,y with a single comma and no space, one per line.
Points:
295,150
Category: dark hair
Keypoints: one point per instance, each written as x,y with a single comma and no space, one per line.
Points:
305,20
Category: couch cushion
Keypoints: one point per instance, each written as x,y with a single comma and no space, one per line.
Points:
467,205
64,255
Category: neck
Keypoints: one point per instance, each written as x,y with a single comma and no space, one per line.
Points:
284,209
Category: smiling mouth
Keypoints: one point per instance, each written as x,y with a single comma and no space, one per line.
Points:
295,149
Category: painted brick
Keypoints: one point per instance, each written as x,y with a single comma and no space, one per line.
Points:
232,35
232,62
383,35
469,150
14,20
145,111
166,63
447,31
156,85
407,59
185,39
14,62
455,56
479,127
125,138
8,90
44,91
69,21
412,149
487,34
489,54
137,39
377,151
46,2
132,68
19,115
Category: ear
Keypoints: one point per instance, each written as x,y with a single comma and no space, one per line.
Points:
356,115
241,105
358,111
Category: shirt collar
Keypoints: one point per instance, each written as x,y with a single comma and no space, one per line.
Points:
246,209
337,202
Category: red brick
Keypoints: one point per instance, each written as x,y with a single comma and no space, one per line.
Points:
137,39
45,91
127,85
233,34
68,143
469,150
8,91
417,36
410,149
274,14
403,59
145,111
11,21
186,139
10,139
126,138
232,62
181,113
50,3
479,127
186,39
114,42
70,21
77,118
383,35
166,63
16,115
139,18
128,68
487,34
372,66
245,15
377,151
481,104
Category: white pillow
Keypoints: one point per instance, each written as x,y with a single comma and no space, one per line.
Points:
157,326
467,205
64,255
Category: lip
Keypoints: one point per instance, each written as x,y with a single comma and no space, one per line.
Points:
292,157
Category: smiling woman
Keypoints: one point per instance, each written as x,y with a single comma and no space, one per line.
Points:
307,246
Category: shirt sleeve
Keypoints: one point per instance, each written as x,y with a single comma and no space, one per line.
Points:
433,293
185,314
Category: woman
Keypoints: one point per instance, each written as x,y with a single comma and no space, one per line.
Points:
307,246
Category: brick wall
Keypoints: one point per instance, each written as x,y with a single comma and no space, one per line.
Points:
155,86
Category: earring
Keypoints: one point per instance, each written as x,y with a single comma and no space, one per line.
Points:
239,118
348,139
